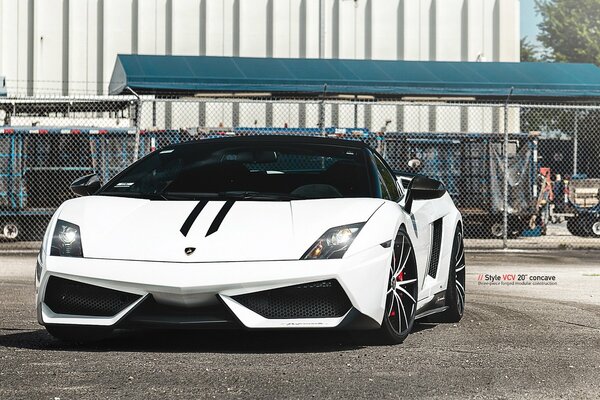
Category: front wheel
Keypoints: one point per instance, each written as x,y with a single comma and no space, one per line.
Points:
402,292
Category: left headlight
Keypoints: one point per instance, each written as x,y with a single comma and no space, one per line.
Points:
333,243
66,240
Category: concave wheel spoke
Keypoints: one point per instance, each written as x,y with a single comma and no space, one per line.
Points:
405,261
406,293
401,311
461,259
460,267
461,299
406,282
458,284
391,306
396,266
460,290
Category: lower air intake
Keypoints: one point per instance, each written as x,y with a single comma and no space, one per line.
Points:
65,296
324,299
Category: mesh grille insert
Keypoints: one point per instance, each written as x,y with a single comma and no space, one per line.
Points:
324,299
65,296
436,245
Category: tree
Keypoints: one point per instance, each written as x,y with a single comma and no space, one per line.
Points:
570,32
529,53
570,29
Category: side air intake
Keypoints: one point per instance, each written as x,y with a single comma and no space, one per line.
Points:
436,246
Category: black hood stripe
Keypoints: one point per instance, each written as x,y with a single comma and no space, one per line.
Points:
220,217
185,228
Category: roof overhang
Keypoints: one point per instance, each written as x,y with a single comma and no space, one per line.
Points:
286,77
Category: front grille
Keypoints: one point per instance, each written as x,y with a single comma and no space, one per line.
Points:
149,313
436,246
65,296
324,299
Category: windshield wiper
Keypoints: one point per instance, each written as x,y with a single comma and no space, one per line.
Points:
189,195
232,194
135,195
252,195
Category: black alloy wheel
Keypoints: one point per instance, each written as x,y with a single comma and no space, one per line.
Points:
402,292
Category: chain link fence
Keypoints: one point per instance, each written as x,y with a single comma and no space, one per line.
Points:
523,175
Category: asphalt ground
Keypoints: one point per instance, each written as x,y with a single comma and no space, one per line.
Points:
515,341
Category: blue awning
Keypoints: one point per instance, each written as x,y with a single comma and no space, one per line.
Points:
311,77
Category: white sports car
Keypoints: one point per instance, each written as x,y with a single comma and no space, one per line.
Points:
258,232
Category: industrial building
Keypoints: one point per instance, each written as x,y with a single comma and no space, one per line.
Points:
69,47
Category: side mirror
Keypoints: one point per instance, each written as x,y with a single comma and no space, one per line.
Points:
86,185
423,188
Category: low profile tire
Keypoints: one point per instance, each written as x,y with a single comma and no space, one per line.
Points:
455,291
78,334
402,292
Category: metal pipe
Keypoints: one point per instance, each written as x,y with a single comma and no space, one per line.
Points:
505,205
136,124
575,144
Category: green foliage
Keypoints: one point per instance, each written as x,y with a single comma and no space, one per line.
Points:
529,53
570,29
570,32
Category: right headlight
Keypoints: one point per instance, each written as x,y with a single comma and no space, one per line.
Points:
333,243
66,240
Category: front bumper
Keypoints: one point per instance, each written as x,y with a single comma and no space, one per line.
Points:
165,294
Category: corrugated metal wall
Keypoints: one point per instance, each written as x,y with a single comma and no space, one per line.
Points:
69,46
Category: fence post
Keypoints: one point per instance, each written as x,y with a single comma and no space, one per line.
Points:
575,144
505,205
136,124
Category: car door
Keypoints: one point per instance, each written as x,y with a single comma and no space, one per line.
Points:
420,230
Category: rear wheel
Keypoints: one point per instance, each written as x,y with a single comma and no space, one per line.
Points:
78,334
455,291
402,292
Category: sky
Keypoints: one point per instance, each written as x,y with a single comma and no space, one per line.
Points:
529,20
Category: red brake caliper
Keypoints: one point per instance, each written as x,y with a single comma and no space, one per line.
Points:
400,277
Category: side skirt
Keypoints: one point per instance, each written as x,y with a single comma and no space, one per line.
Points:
434,306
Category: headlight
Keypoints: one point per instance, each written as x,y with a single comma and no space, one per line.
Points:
333,243
66,240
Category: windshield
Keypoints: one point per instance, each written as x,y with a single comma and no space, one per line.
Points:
246,170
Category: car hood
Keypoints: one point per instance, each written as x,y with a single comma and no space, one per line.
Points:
139,229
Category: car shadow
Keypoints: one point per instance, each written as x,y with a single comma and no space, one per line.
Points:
189,341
